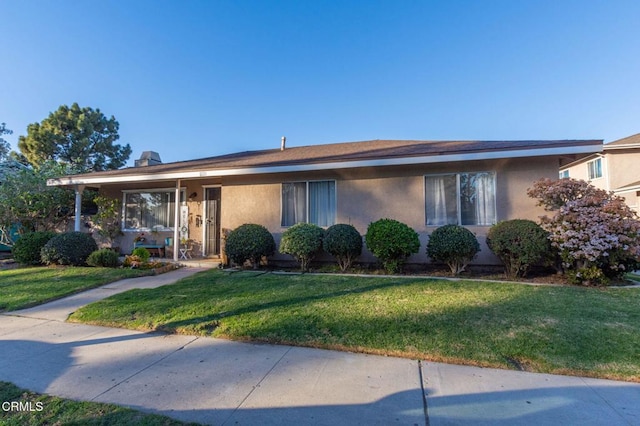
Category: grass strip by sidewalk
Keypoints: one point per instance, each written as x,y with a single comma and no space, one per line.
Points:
554,329
633,277
25,287
30,408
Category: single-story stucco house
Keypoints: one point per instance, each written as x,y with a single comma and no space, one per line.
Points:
424,184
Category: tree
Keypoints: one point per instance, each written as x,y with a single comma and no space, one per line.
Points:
26,200
107,219
595,232
4,145
79,137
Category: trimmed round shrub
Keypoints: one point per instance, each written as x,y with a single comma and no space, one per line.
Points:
249,242
453,245
302,241
70,248
105,258
519,244
391,242
142,253
344,242
27,248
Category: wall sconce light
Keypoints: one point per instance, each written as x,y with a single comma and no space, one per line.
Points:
192,196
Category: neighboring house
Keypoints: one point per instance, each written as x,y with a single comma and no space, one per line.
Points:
424,184
9,167
616,168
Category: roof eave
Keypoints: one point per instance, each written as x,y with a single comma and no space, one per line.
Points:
593,156
431,159
620,147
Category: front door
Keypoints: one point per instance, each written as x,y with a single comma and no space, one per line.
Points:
212,222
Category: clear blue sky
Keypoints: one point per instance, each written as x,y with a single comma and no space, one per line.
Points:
192,79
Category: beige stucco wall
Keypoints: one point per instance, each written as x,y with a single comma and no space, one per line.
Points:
246,202
623,167
579,171
624,170
632,199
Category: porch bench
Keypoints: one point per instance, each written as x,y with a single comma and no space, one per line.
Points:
159,249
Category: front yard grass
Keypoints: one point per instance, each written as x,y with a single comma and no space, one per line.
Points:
37,409
25,287
554,329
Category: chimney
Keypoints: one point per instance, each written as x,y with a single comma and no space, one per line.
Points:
148,158
282,143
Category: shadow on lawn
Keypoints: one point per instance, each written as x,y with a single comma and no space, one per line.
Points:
213,319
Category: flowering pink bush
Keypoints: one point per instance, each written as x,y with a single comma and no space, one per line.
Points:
595,232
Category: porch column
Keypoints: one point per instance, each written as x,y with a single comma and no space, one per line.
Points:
176,223
79,189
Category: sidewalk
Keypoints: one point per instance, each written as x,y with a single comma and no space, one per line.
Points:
222,382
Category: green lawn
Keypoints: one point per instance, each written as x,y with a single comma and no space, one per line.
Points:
26,287
567,330
50,410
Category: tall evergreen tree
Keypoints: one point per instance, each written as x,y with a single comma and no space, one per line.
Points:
82,138
4,145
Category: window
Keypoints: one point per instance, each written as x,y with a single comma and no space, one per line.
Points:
313,202
564,174
461,198
595,169
153,209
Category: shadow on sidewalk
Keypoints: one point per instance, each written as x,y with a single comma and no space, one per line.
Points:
550,406
83,368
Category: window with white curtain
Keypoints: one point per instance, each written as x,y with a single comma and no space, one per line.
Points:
313,202
461,199
149,210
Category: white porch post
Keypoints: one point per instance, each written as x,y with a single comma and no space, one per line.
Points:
78,212
176,223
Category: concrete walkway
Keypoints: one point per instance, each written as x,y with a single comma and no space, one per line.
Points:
222,382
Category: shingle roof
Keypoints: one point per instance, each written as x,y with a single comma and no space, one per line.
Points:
629,140
343,154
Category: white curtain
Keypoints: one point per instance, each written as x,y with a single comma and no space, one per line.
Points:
294,203
441,200
322,203
485,204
